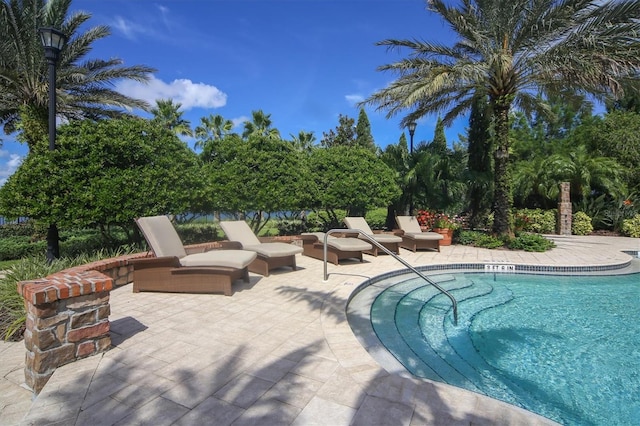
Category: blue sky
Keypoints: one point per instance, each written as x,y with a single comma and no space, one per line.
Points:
302,61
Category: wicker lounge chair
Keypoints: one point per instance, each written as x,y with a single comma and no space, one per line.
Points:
389,241
271,255
337,248
413,238
172,270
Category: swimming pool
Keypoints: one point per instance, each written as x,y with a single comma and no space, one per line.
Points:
565,347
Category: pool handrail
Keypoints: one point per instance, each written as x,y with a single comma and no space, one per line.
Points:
370,239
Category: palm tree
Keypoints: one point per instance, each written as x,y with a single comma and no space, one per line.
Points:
513,50
304,141
169,115
212,128
83,88
260,125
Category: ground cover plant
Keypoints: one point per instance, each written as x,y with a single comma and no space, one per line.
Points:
12,313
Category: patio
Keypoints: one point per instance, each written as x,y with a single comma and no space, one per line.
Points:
279,351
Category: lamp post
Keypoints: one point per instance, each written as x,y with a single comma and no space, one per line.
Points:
412,130
53,41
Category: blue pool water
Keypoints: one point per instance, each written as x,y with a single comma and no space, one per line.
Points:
565,347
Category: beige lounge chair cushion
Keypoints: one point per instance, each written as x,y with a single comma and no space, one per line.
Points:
274,249
343,244
409,224
226,258
360,223
424,235
238,230
161,236
411,228
165,241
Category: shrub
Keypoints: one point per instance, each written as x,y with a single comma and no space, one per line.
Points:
631,227
468,238
377,218
20,246
488,241
194,233
478,239
581,224
535,220
25,229
530,242
291,226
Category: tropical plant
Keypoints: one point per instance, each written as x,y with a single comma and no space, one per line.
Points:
260,125
511,50
168,115
304,141
581,224
84,88
212,129
631,227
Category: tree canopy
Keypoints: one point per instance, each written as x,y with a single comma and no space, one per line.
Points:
105,173
512,50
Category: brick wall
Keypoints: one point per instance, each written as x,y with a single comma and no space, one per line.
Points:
68,315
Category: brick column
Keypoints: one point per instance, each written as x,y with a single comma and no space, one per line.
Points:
67,319
564,210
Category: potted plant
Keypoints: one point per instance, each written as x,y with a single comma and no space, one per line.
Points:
444,225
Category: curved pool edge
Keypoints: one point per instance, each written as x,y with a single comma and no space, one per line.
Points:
389,369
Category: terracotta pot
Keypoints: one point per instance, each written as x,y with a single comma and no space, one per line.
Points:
447,233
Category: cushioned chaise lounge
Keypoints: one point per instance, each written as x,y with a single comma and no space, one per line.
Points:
337,248
389,241
413,238
172,270
271,255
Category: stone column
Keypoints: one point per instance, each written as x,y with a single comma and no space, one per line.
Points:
564,210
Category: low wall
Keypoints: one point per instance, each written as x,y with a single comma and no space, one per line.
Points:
68,312
68,315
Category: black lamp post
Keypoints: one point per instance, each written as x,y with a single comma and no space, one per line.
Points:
53,42
412,130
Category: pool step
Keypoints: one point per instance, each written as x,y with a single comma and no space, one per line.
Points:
416,321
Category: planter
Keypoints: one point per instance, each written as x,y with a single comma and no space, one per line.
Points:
447,233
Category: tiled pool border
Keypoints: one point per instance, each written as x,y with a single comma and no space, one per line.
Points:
511,268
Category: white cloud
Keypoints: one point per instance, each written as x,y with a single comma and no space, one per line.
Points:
7,167
183,91
354,99
127,28
239,122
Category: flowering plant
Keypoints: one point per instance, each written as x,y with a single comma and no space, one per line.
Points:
435,220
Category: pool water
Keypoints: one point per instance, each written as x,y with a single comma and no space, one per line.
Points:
565,347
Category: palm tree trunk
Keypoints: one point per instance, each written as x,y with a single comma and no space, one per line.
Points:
502,197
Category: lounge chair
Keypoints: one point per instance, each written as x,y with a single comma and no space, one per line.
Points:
271,255
389,241
413,238
337,248
173,270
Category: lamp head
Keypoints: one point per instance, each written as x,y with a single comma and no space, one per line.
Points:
53,41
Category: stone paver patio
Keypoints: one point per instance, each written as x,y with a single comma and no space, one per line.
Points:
279,351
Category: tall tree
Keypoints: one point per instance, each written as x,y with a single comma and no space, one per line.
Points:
343,135
439,143
83,86
511,50
364,138
169,116
479,161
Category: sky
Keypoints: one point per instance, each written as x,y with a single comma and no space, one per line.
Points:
304,62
